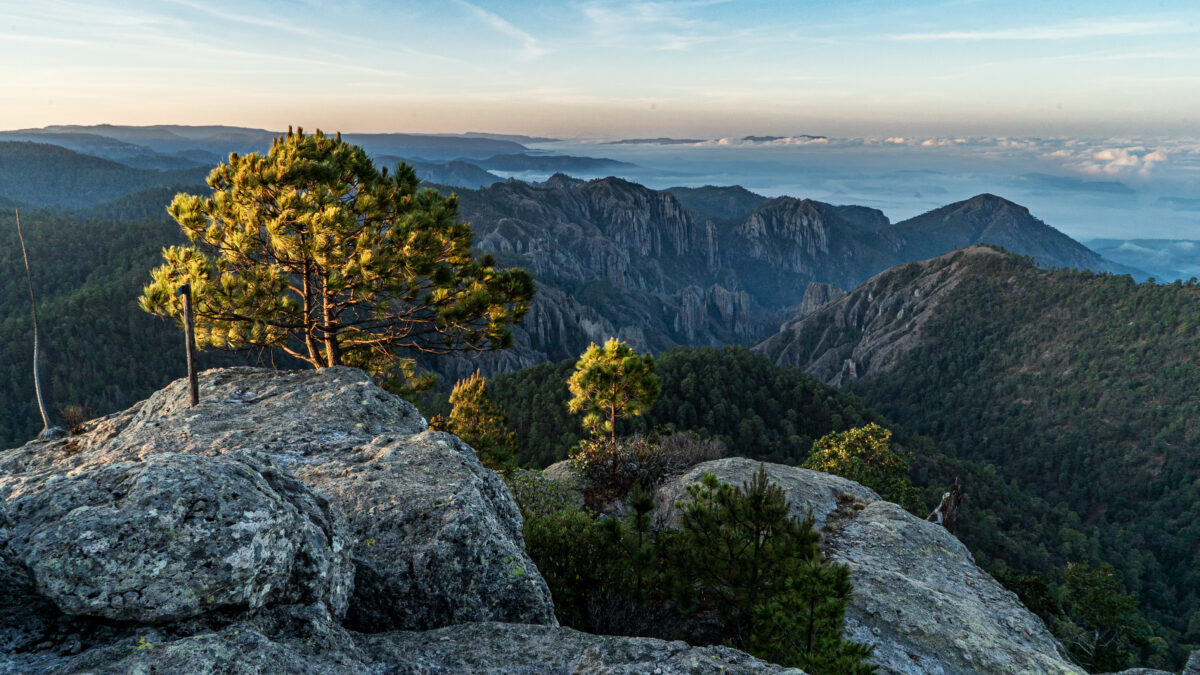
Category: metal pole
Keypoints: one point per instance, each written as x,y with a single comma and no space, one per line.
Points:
189,336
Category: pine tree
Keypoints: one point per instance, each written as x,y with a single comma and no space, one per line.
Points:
311,250
482,423
1100,625
611,382
761,569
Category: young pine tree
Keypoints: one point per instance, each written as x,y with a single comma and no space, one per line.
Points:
611,382
482,423
864,455
761,569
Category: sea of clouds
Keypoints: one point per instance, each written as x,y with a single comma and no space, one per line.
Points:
1117,188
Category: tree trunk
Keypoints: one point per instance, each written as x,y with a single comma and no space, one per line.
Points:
314,352
333,352
37,380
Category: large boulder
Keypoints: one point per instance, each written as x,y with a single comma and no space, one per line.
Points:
467,648
176,536
439,536
435,537
925,606
919,599
808,492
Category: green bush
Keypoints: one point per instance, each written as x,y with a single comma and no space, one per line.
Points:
864,456
738,556
608,472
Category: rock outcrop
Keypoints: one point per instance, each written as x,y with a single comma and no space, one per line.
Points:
808,492
280,488
925,606
176,536
293,522
870,329
816,296
494,648
919,599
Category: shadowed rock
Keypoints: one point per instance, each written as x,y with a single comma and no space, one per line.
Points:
468,648
919,599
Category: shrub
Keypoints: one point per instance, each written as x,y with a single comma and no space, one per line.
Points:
738,556
74,416
609,472
864,456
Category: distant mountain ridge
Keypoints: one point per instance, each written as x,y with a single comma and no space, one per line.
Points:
705,266
219,141
990,219
459,160
48,175
659,268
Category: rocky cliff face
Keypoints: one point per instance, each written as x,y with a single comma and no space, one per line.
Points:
816,296
625,260
870,329
293,522
919,599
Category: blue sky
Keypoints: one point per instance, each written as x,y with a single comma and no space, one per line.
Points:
595,68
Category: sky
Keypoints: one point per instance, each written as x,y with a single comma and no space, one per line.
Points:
610,69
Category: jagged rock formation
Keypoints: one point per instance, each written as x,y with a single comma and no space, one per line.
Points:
919,599
706,266
816,296
800,241
869,330
293,522
721,203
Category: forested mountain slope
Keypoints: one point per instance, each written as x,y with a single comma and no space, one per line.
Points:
48,175
98,348
758,409
1079,387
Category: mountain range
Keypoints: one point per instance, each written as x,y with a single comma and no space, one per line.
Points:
657,268
712,265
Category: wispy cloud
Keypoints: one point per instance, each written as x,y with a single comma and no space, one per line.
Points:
669,26
1064,31
247,19
532,49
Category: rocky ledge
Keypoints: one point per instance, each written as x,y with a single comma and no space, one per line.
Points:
292,522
